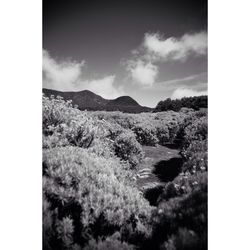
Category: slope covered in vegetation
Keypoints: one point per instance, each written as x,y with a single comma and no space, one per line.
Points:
91,198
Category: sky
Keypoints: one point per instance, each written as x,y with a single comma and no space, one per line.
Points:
147,49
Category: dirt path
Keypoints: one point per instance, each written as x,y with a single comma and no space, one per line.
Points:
160,165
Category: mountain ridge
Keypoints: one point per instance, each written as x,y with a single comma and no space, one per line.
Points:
88,100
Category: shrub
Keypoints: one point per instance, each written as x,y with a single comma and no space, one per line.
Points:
65,230
56,111
196,157
197,130
80,133
184,240
190,126
162,133
110,243
48,230
98,194
128,149
145,134
64,125
168,125
184,183
179,218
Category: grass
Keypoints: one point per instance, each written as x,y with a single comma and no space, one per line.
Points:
153,155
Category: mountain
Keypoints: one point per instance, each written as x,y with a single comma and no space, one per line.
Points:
88,100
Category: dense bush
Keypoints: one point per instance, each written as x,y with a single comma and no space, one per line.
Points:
196,131
145,134
183,219
64,125
183,184
196,156
128,148
86,190
56,111
191,124
110,243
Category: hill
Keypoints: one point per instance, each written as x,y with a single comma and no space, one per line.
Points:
88,100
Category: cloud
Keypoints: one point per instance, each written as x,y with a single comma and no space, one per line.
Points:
185,92
103,87
68,76
158,48
60,75
143,73
155,48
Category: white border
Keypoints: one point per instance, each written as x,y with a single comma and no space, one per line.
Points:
228,85
20,126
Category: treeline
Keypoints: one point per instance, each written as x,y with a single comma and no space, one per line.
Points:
195,102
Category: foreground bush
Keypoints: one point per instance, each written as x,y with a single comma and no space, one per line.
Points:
110,243
88,196
183,220
184,183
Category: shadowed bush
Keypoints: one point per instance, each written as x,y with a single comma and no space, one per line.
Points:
110,243
183,220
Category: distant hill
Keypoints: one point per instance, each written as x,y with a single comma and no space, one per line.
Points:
88,100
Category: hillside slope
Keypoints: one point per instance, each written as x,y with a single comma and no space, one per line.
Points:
88,100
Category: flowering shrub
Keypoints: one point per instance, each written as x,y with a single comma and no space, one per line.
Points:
183,219
89,189
196,156
56,111
64,125
183,184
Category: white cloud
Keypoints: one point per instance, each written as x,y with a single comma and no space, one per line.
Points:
158,48
185,92
103,87
60,75
143,73
68,76
142,67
